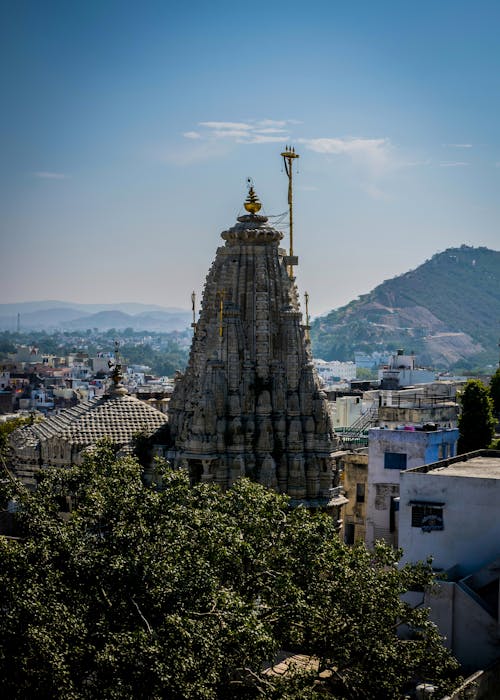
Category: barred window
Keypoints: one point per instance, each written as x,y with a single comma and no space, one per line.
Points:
427,516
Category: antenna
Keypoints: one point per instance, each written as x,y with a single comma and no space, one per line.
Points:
289,156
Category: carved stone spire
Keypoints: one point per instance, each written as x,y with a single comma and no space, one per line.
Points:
249,401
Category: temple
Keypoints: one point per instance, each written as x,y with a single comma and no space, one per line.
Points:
63,439
250,402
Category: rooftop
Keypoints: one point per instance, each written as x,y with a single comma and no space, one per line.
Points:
481,464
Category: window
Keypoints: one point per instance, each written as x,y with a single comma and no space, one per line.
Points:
349,533
395,460
428,516
360,493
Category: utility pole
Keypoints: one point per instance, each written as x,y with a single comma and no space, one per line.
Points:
289,156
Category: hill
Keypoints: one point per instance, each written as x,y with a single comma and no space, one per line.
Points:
447,310
59,315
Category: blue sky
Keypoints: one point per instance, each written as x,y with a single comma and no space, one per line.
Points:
128,129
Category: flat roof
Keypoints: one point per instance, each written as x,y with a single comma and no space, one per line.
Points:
481,467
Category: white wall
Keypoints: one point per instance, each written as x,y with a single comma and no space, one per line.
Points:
471,534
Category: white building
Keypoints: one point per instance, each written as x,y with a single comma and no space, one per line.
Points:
401,371
345,410
450,510
4,379
335,370
391,452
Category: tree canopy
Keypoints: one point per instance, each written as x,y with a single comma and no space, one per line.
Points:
495,391
168,591
476,422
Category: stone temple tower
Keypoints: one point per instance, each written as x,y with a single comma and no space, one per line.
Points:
249,402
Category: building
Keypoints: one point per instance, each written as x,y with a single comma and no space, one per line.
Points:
391,452
345,410
355,482
334,370
250,402
64,438
401,371
449,511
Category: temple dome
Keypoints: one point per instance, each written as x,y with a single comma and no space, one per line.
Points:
62,439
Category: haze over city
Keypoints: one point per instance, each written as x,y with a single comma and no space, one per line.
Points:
128,131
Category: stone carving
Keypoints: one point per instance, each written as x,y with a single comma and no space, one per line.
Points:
267,475
250,395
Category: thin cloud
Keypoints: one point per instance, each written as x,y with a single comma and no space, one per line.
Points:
374,155
375,192
458,145
250,132
226,126
452,164
192,135
48,175
269,130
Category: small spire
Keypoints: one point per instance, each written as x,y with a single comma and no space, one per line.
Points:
116,372
252,203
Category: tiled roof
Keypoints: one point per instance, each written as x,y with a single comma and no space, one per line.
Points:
118,417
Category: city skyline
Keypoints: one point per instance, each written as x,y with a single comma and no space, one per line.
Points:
130,131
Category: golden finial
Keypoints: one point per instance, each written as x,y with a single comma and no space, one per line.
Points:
252,204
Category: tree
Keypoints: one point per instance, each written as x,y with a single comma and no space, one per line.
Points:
186,593
495,391
476,422
7,427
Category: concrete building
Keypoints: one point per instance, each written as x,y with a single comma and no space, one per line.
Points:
250,401
334,370
354,479
345,410
401,371
391,452
449,511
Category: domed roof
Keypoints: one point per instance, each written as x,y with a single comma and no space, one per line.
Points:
116,416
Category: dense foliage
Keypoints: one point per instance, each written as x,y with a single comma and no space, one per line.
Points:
456,290
163,362
187,593
7,427
495,391
476,422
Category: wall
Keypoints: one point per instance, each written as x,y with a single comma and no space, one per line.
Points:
355,471
346,409
420,447
471,534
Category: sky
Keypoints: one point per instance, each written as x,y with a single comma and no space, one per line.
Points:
128,130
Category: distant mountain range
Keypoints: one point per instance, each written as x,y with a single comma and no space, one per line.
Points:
61,315
447,311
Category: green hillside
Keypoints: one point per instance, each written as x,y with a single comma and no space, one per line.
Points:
446,310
